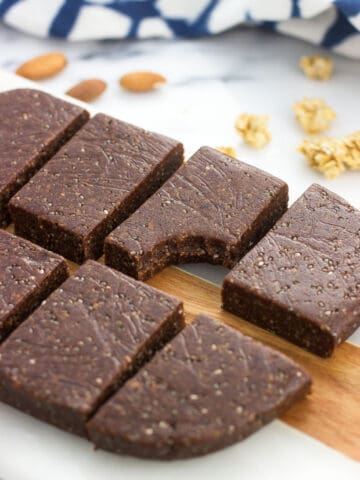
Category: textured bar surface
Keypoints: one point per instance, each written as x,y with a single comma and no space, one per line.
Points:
28,274
212,210
302,281
208,388
33,126
82,342
93,183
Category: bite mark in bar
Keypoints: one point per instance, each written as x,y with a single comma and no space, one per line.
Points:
212,210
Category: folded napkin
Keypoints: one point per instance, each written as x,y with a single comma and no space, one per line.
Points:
334,24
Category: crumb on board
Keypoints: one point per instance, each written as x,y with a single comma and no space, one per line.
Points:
317,67
253,129
227,150
314,115
332,156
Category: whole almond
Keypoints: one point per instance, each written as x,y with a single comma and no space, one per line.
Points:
42,67
141,81
87,90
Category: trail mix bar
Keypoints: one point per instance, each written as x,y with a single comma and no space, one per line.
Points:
209,387
302,280
212,210
93,183
87,338
28,274
33,126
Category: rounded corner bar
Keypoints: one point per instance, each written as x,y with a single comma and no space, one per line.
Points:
223,387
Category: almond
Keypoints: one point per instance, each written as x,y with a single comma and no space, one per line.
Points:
87,90
42,67
141,81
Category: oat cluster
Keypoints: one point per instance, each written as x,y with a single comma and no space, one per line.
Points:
324,154
317,67
352,146
253,129
314,115
332,156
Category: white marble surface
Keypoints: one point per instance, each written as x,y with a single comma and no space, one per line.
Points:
210,82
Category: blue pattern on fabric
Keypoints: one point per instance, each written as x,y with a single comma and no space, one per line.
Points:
201,24
65,19
135,9
268,25
181,21
5,5
338,32
349,8
296,13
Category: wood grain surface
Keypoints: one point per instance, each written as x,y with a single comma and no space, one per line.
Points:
331,413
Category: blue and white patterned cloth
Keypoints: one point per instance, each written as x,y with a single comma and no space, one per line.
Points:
334,24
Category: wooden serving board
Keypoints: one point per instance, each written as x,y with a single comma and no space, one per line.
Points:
331,413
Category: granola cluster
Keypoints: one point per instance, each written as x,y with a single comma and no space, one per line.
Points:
352,145
253,129
314,115
332,156
324,154
328,155
317,67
